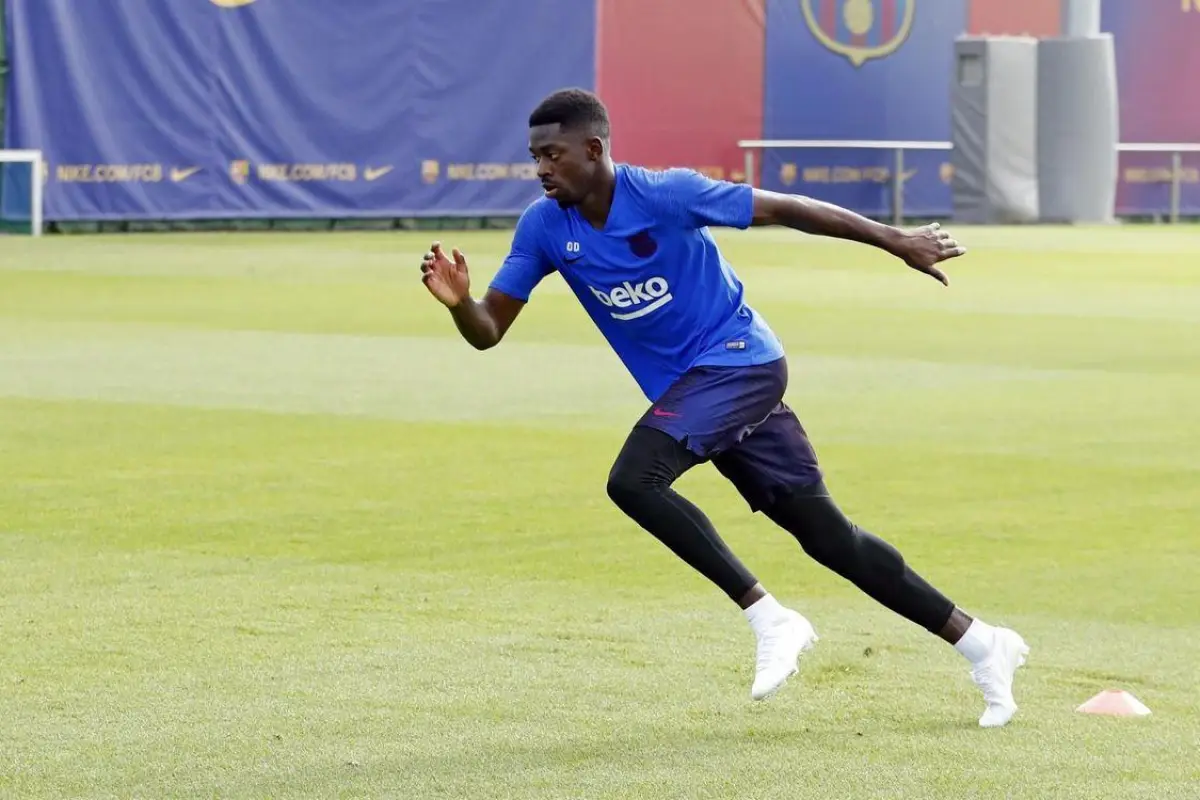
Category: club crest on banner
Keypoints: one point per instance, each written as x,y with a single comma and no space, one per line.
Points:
860,30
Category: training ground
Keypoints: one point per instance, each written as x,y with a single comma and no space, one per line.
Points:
269,528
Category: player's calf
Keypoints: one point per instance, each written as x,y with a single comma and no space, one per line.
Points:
879,569
640,485
870,563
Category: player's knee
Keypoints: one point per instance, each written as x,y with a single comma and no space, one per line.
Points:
831,546
625,485
648,464
823,531
848,549
628,495
632,484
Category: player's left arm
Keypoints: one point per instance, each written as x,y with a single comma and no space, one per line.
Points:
698,201
921,248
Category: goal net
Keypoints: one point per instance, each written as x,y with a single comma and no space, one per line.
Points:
21,199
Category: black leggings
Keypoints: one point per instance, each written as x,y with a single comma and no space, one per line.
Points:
640,485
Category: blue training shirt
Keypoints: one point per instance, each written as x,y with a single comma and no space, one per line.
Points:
653,279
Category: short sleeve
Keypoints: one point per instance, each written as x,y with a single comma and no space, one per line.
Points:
526,263
697,201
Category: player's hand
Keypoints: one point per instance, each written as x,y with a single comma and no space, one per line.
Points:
926,247
445,279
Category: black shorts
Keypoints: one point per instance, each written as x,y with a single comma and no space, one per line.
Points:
735,417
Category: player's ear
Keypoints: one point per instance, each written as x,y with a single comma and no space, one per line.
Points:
595,148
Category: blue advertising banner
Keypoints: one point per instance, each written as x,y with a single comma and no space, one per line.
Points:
861,69
195,109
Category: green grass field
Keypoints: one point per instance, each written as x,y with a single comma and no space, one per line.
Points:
268,528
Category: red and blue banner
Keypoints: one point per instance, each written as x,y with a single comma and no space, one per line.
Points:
194,109
1158,76
683,80
860,70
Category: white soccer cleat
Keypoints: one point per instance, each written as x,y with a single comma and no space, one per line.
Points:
779,649
994,675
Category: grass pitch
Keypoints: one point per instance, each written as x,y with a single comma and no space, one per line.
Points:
268,528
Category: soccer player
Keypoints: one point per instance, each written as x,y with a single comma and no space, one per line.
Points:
635,247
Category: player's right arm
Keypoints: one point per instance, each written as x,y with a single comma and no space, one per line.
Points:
483,323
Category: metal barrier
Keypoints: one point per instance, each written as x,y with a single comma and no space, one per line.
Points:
751,145
1176,149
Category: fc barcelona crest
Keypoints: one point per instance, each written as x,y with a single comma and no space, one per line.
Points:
860,30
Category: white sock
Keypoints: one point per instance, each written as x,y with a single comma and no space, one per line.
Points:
976,643
763,613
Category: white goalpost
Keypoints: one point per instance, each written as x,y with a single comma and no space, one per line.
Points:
34,159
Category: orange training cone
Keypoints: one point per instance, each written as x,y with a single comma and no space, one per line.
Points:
1114,703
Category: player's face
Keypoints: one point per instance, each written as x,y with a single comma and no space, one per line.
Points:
567,162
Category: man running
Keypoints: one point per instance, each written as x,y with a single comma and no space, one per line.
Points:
635,247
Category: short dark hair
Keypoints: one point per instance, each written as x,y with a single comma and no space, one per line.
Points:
574,109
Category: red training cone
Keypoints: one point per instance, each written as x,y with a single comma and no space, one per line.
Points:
1114,703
